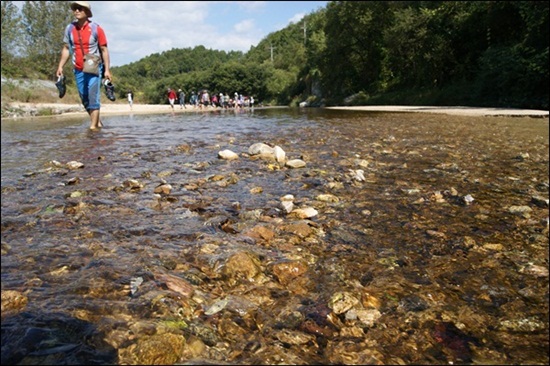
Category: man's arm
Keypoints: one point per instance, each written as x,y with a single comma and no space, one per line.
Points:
65,54
106,62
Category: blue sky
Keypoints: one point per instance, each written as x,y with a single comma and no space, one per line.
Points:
139,28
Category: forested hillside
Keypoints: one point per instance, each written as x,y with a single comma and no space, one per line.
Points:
474,53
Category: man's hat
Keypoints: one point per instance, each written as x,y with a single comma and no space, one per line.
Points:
85,5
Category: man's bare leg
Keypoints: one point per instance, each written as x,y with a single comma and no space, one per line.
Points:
95,123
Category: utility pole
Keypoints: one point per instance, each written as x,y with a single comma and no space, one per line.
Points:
271,44
304,28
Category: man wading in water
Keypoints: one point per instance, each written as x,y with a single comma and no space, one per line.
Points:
85,37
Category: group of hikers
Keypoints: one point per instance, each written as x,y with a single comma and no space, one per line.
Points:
204,100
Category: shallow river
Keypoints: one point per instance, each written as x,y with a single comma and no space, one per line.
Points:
428,243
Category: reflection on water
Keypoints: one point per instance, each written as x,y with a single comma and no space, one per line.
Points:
438,278
29,144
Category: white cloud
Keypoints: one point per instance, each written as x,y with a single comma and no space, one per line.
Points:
296,18
140,28
245,26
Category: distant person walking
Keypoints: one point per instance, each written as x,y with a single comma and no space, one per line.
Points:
194,99
205,99
171,97
214,100
84,37
182,99
226,101
130,98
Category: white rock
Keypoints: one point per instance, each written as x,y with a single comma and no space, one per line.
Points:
260,148
328,198
468,199
287,197
357,174
280,154
305,213
227,155
74,165
288,206
295,163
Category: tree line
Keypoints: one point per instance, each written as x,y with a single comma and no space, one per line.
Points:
475,53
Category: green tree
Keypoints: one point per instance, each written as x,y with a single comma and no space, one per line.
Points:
44,24
513,71
354,46
416,54
315,49
11,36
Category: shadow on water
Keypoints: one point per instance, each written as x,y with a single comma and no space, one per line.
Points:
53,339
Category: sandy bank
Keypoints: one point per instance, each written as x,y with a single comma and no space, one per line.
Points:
37,110
465,111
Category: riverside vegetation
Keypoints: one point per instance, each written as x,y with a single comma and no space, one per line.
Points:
472,53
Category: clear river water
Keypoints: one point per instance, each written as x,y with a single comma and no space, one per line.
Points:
428,245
